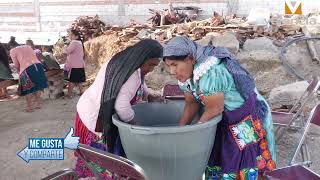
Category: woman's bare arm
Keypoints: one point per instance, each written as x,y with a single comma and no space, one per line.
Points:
191,108
214,106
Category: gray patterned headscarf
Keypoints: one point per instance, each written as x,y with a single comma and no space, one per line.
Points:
182,46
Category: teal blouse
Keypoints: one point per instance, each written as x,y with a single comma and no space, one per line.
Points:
214,80
214,77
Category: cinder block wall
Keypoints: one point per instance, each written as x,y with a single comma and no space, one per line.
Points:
55,16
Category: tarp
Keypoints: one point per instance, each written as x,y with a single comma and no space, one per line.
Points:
5,72
50,62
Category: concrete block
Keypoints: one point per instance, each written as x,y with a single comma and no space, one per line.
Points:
287,94
227,40
258,44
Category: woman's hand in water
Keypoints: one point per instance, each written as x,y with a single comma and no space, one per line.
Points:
182,123
200,122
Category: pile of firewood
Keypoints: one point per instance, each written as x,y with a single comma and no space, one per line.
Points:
92,27
89,27
173,15
196,30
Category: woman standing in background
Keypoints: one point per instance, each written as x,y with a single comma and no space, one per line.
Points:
32,78
37,52
74,66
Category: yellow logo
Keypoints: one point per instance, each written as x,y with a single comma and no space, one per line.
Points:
293,7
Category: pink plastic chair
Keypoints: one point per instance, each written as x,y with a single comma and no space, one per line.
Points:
295,117
314,118
111,162
294,172
172,91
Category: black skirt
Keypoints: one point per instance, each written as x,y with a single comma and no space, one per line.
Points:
77,75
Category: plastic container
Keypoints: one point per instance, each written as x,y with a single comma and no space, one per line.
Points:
163,149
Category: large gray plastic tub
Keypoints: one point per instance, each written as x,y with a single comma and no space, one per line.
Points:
163,149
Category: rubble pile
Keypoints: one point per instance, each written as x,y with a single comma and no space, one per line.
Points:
58,51
197,30
233,32
228,31
181,21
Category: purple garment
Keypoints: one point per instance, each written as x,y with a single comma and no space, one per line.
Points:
38,53
118,149
226,153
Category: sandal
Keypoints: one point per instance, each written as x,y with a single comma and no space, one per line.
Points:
28,110
68,97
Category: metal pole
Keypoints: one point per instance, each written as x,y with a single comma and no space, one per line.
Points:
36,10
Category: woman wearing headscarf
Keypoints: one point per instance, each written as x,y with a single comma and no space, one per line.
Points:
211,77
118,85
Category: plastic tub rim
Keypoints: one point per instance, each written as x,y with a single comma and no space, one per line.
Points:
165,130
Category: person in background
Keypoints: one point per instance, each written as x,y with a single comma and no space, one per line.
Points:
5,71
32,79
49,61
74,66
212,78
37,52
118,85
12,43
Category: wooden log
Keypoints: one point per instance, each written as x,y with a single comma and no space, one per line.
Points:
162,20
54,72
6,83
213,27
162,27
311,46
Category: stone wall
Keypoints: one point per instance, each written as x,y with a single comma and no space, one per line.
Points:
56,84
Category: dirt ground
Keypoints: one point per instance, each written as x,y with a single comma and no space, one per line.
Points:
54,120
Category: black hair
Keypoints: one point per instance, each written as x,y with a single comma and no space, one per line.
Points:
77,33
119,69
49,48
30,42
177,58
